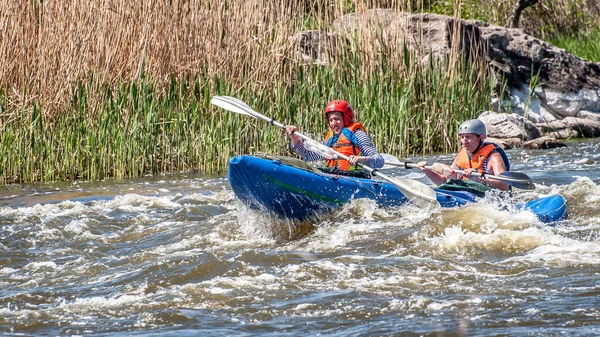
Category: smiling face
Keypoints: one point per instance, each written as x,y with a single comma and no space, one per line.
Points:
335,121
470,141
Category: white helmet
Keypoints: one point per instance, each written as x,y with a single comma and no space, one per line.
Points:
472,126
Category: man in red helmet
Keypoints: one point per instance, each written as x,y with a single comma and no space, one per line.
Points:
345,136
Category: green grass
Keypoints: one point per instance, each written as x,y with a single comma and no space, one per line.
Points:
586,46
139,128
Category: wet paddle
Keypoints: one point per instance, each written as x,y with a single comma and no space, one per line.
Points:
515,179
417,192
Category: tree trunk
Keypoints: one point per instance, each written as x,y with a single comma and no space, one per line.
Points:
518,8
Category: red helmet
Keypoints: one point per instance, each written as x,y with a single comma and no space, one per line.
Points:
343,107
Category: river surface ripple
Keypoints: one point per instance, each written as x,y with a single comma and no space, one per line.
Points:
179,255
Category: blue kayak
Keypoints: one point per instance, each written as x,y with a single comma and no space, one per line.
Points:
291,189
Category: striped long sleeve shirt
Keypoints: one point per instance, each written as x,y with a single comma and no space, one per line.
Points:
365,144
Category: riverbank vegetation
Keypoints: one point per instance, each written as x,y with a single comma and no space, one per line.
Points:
584,45
121,89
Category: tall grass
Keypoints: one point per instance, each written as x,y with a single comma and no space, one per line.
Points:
586,46
138,130
98,89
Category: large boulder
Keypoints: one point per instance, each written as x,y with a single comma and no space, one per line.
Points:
426,34
546,83
572,127
501,125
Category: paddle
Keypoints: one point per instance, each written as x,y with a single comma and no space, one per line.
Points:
417,192
516,179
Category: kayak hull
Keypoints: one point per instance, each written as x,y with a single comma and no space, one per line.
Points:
278,186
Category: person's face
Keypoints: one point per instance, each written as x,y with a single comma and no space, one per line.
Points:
336,121
470,141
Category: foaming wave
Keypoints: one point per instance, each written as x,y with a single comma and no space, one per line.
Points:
507,230
92,304
459,241
481,228
65,208
221,284
244,227
583,198
357,219
563,252
183,247
229,292
363,219
141,203
224,198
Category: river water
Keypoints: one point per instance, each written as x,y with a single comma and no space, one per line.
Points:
179,255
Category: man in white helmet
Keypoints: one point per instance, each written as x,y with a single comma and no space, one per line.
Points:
475,155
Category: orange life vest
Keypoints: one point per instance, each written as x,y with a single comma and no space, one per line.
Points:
346,144
479,159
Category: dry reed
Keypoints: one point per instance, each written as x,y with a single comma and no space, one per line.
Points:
95,89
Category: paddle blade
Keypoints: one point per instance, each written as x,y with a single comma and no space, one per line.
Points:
516,179
323,150
417,192
390,162
232,104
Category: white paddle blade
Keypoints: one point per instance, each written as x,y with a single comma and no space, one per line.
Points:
417,192
390,162
390,159
323,150
232,104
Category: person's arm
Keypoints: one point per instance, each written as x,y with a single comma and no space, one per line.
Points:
298,146
435,172
495,166
306,154
290,130
369,154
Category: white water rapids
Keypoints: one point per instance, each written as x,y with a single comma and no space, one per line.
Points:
182,256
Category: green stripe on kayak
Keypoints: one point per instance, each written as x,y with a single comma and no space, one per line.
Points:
303,192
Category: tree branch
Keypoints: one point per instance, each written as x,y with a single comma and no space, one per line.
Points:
517,9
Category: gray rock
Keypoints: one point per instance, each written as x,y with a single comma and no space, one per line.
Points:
572,127
502,125
543,143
